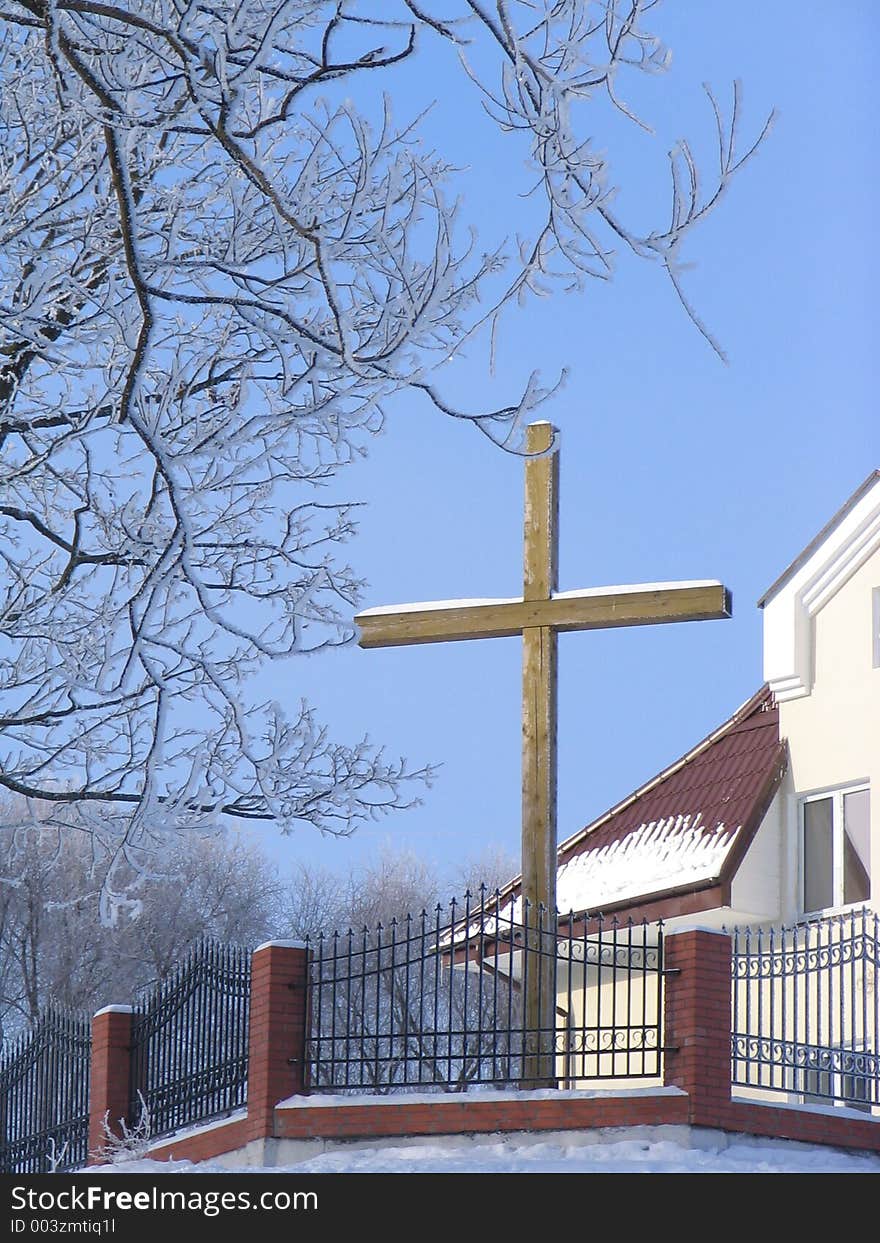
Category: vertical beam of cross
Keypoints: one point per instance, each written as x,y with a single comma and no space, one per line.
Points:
539,666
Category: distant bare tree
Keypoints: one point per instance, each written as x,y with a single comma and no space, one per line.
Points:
391,1010
313,902
222,887
394,883
219,255
486,871
51,945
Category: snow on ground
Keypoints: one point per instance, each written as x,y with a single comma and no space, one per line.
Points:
656,1151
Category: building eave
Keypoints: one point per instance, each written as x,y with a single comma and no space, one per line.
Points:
803,557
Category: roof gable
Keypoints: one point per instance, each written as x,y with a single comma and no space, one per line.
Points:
816,543
813,578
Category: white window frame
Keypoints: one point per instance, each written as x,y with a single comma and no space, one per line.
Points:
836,794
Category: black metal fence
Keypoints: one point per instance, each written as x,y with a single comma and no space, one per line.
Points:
806,1011
190,1041
438,1001
44,1096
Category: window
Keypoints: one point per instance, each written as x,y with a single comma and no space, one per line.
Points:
836,848
875,627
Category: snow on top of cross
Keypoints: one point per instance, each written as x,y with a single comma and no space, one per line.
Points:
434,604
621,589
584,593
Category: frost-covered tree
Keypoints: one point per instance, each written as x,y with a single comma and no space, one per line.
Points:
220,252
54,948
394,883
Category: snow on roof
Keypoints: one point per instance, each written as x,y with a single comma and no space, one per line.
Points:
663,854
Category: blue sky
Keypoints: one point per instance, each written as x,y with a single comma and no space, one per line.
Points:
674,465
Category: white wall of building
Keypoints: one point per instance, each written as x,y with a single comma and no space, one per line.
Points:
834,731
822,660
757,888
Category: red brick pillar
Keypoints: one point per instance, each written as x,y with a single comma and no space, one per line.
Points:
277,1038
697,1021
110,1076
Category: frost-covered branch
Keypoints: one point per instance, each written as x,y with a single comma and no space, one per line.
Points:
221,251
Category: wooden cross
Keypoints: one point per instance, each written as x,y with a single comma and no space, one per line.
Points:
538,615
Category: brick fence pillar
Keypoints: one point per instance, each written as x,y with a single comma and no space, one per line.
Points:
277,1037
110,1075
697,1021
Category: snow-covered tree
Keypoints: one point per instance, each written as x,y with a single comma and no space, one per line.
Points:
220,252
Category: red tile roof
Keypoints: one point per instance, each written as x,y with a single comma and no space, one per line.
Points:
685,830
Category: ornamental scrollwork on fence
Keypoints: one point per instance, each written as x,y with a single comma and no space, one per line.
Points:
602,954
629,1040
805,1017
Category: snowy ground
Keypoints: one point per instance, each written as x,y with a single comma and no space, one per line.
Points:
656,1151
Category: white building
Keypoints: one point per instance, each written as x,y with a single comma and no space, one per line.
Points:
822,665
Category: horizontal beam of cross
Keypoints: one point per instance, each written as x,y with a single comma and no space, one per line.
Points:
595,608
